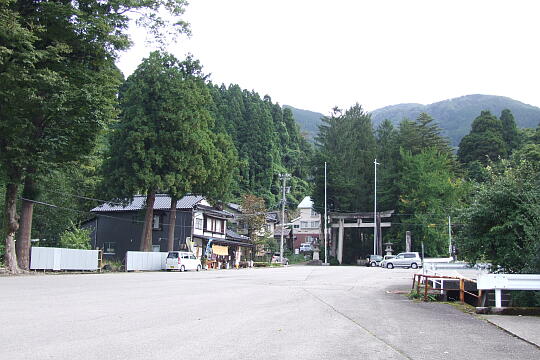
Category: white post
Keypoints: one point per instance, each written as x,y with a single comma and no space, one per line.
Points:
375,212
284,176
325,220
498,301
449,237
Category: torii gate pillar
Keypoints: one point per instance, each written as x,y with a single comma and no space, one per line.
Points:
340,241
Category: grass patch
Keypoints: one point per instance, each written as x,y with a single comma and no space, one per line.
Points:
260,264
414,295
112,265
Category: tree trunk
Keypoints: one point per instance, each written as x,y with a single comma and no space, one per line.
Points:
11,227
172,224
22,245
146,237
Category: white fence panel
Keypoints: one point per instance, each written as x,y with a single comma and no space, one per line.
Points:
148,261
43,258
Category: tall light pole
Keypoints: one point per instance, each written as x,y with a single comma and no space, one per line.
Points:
325,220
283,177
375,212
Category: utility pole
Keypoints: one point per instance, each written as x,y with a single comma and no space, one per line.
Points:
375,212
325,220
284,178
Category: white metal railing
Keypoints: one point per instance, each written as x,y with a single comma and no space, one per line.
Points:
45,258
145,261
499,282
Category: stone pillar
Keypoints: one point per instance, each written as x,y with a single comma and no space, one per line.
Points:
407,241
340,241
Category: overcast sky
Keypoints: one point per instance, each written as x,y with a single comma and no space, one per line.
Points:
315,54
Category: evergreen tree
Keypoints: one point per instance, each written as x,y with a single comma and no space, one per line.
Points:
268,142
429,189
510,131
388,171
485,141
59,83
347,142
164,140
423,133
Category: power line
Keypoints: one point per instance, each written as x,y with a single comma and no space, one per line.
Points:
94,214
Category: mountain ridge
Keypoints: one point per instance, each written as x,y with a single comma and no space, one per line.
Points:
454,115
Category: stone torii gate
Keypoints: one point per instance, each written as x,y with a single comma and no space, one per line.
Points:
341,221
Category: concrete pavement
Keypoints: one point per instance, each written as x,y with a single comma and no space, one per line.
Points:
280,313
524,327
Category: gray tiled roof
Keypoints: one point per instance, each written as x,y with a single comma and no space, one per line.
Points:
162,202
234,206
232,235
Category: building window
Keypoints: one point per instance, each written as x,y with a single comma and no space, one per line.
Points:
199,224
215,225
109,248
313,213
296,226
304,225
156,222
314,224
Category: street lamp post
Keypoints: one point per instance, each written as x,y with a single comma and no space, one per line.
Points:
375,212
325,220
284,177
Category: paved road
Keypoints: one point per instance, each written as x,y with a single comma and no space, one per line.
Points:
284,313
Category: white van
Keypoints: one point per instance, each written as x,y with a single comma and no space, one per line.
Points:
182,260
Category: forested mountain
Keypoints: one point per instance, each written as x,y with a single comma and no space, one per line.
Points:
455,116
268,142
308,121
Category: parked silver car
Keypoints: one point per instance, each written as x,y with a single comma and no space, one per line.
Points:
406,260
374,260
275,259
385,260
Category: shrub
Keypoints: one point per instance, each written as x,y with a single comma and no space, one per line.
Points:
75,238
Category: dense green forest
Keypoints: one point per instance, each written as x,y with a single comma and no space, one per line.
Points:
491,188
262,140
75,133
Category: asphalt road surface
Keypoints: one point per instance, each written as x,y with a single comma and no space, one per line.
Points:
298,312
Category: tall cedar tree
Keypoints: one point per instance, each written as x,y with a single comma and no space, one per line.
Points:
164,140
510,131
346,142
485,142
59,83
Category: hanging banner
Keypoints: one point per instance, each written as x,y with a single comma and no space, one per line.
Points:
220,250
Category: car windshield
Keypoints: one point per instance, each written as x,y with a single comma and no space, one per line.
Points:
172,255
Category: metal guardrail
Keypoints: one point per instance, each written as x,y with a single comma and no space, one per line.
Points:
499,282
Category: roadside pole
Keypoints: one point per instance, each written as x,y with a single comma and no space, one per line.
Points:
283,177
325,220
375,212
